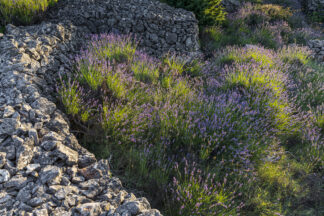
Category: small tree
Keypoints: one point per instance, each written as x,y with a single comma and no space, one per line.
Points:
214,13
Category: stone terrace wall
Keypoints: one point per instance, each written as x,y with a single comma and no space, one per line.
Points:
318,48
43,169
159,27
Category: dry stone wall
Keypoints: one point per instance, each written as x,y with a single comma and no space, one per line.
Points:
318,49
43,169
159,27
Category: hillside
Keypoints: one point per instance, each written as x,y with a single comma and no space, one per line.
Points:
204,107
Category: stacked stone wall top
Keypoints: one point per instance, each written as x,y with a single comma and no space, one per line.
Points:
159,27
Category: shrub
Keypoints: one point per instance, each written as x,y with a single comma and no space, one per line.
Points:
320,120
296,21
236,33
274,12
249,54
259,13
294,54
249,25
208,12
265,37
23,11
195,193
317,16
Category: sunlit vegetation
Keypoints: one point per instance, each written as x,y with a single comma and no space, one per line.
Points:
23,11
208,12
224,137
269,25
239,134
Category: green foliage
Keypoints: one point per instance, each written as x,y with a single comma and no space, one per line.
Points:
268,25
236,33
23,11
251,54
2,29
255,81
194,68
123,52
145,72
200,196
208,12
92,75
264,37
116,85
174,65
292,55
317,16
213,38
320,121
70,97
274,12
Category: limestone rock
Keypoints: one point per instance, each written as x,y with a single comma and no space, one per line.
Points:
9,125
3,159
16,182
66,154
24,154
133,207
50,173
4,176
88,209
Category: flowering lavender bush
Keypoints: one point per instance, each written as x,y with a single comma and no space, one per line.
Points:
216,135
23,11
199,194
269,24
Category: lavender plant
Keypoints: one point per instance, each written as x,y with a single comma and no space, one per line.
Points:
234,119
199,194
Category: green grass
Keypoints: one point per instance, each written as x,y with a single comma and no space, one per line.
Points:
23,11
236,33
253,54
